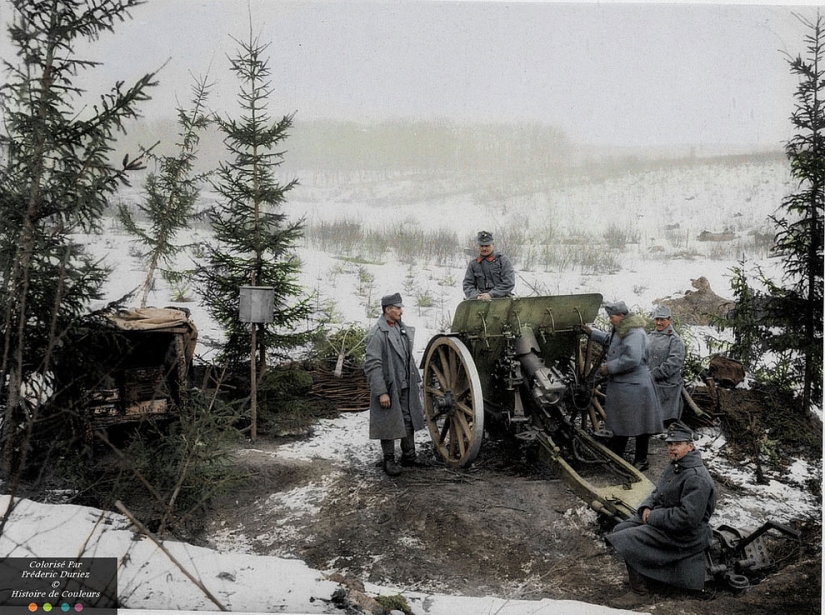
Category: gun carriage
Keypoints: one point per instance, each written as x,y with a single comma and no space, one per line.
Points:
525,365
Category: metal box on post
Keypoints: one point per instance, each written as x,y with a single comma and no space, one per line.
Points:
257,304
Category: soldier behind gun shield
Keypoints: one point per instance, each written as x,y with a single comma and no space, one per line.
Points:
490,274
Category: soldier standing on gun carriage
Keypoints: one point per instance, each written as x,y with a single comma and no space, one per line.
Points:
490,274
631,405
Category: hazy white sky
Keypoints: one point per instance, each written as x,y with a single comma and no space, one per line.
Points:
610,73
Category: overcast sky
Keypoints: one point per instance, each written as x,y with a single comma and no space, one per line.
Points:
606,73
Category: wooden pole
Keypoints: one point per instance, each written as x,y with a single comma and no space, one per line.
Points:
253,377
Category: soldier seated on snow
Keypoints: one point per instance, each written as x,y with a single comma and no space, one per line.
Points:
667,537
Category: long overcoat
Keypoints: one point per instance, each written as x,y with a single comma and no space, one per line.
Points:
670,547
631,405
384,366
493,274
665,357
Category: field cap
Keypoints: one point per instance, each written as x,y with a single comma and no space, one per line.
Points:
662,312
679,432
485,238
393,299
619,307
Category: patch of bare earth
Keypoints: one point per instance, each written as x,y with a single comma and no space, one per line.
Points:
505,527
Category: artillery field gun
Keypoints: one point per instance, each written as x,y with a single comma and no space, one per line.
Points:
524,364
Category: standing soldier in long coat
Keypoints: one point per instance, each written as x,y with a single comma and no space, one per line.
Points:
631,405
667,537
396,410
665,357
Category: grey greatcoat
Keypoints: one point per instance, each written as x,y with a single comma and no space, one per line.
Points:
631,405
389,367
494,275
665,357
670,547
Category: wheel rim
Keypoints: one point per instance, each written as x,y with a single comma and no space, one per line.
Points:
453,401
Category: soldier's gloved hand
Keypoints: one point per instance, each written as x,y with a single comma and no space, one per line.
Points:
586,330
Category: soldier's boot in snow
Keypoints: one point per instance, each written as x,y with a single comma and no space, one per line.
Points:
390,467
412,461
638,595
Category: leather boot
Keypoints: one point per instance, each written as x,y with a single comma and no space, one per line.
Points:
630,600
390,467
638,594
412,461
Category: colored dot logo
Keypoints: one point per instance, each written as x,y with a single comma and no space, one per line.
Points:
78,607
32,607
47,607
65,607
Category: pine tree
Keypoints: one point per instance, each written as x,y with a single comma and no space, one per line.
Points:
799,239
253,238
55,178
171,194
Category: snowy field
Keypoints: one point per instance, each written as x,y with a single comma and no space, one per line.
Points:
660,263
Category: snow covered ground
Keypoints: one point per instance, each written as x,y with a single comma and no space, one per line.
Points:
248,583
148,579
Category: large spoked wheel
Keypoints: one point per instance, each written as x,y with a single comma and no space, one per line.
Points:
453,401
588,396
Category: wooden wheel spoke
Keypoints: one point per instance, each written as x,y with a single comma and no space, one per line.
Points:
462,393
436,415
439,376
466,409
599,409
453,368
458,440
597,361
444,431
466,429
442,356
434,390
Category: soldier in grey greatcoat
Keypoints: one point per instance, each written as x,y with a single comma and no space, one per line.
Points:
665,357
631,405
490,274
667,537
396,410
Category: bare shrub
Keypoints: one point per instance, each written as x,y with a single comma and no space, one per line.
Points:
617,237
678,238
424,300
594,259
374,245
407,240
441,246
337,236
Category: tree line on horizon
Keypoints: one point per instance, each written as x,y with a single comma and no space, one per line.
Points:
402,147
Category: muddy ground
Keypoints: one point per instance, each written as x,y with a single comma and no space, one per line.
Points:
506,527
